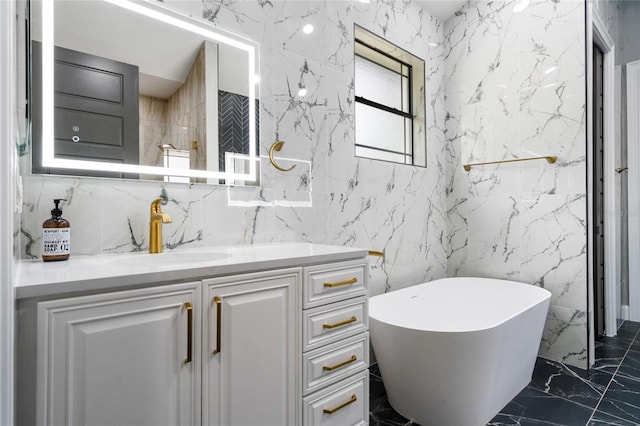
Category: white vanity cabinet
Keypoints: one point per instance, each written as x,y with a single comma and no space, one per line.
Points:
335,344
123,358
266,335
250,349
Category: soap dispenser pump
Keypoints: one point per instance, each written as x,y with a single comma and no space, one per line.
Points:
56,235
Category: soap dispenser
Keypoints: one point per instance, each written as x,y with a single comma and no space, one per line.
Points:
56,236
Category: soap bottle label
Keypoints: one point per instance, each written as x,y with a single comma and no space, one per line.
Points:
56,241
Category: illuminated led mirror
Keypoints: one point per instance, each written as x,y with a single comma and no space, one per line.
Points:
103,70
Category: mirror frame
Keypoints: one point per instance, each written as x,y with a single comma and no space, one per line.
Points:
160,13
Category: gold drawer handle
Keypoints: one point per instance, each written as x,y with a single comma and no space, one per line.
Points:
218,301
342,364
338,324
339,283
189,309
353,399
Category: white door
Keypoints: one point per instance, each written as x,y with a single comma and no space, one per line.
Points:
124,358
251,365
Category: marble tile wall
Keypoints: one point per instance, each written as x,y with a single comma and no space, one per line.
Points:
515,85
525,222
331,197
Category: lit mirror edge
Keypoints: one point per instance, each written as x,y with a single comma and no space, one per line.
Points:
168,16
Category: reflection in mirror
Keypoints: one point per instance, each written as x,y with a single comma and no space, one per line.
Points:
131,89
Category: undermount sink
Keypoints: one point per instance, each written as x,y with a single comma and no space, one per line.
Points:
172,258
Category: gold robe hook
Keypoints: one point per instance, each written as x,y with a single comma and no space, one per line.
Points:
277,146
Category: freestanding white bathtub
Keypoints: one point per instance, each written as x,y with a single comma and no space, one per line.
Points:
455,351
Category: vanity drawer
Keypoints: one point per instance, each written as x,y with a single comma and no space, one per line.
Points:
332,363
328,324
346,403
325,284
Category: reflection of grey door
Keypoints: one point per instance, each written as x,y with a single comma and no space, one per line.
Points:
95,110
598,189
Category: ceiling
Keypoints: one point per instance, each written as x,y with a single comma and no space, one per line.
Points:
442,9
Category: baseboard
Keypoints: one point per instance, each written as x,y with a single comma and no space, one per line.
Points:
624,312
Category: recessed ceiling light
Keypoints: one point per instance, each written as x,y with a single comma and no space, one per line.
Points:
307,29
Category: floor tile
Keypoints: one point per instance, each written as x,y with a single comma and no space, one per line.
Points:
622,399
635,346
581,386
630,366
380,411
601,419
629,325
624,337
608,357
533,407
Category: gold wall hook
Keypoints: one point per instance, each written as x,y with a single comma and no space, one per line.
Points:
277,146
622,169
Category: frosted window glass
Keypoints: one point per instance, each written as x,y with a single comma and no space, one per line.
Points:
379,129
408,129
389,101
363,151
406,95
378,84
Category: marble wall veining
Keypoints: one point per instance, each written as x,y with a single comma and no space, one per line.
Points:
499,84
331,197
515,85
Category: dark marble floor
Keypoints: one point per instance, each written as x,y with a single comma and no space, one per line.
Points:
559,394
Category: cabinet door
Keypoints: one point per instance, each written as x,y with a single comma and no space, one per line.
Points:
251,363
123,358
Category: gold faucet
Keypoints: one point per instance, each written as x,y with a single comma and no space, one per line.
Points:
157,218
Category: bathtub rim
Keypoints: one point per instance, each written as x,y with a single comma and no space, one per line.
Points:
532,287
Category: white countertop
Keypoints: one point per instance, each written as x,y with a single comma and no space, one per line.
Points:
35,278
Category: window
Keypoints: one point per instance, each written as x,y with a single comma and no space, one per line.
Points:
390,105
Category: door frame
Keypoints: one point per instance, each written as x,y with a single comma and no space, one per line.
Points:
600,36
8,171
633,162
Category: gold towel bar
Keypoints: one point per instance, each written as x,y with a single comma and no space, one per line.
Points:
550,158
277,146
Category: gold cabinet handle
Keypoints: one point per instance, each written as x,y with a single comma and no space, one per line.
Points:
353,399
342,364
338,324
376,253
339,283
218,301
189,308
